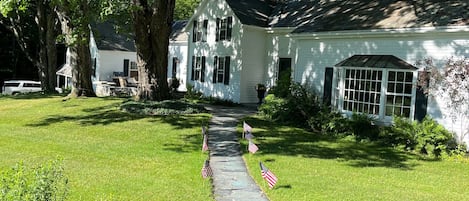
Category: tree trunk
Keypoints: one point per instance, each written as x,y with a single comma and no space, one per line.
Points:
45,19
152,25
79,47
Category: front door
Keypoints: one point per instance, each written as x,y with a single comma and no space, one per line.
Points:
284,70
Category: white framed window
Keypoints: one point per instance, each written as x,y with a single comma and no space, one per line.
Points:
198,68
224,29
381,86
221,70
199,31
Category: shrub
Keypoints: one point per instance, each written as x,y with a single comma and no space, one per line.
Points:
401,133
329,122
274,108
167,107
363,128
191,93
282,89
46,182
427,137
433,138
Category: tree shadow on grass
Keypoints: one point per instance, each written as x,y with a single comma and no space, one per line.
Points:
298,142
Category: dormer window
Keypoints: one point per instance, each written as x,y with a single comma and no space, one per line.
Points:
199,31
224,27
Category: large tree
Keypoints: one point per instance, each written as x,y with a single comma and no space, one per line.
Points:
75,17
34,26
152,22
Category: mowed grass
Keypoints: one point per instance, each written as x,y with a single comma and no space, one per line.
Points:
313,167
107,154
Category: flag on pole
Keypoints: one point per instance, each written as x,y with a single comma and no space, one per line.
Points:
252,147
248,135
205,143
246,128
268,176
206,170
204,130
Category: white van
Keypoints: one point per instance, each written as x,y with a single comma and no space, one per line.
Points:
13,87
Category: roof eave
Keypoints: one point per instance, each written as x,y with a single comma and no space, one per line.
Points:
380,32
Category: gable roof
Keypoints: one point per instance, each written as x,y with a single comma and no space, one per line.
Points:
338,15
177,33
107,38
252,12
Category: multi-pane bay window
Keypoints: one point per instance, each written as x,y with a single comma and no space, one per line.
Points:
199,31
221,70
224,28
379,85
198,68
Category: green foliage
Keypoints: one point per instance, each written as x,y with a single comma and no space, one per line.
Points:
433,138
167,107
363,128
282,89
427,137
327,121
274,108
184,9
297,106
8,6
46,182
191,93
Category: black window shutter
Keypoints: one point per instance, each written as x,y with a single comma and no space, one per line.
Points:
421,101
204,32
229,28
126,67
174,70
194,32
218,30
227,71
215,69
202,74
193,68
328,77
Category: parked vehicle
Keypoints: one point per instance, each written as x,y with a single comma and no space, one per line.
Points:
14,87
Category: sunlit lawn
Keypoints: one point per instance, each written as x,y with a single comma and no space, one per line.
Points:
311,167
108,154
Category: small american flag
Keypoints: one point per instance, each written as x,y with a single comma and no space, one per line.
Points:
252,147
268,176
204,130
249,135
206,170
205,143
247,127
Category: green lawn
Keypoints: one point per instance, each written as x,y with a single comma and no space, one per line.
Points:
108,154
311,167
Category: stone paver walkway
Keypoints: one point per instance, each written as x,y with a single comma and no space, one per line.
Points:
231,181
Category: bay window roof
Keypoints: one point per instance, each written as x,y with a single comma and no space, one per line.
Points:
376,61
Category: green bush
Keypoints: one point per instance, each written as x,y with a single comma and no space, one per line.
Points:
401,133
433,138
44,183
427,137
363,128
274,108
167,107
327,121
191,93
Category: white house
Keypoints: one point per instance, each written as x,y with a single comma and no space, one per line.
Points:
114,59
359,55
